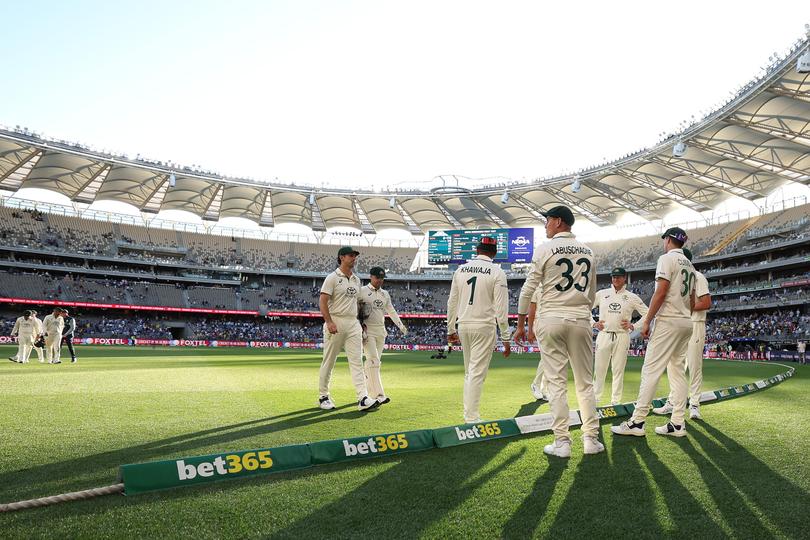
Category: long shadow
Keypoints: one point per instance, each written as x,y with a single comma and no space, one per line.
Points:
529,408
783,502
381,508
683,508
437,484
35,480
524,520
725,495
591,507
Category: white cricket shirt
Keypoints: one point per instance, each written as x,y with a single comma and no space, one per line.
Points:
479,295
564,269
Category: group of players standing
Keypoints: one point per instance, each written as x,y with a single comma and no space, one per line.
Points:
44,336
557,297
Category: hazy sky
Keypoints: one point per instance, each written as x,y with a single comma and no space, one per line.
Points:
379,93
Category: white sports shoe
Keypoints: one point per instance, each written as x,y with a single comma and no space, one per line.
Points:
560,448
326,403
592,445
666,408
629,428
671,430
366,404
383,399
694,413
538,395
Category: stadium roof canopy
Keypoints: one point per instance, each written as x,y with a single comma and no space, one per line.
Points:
758,140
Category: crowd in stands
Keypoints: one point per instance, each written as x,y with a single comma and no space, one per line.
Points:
787,324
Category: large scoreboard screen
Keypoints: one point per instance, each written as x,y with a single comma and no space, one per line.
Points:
458,246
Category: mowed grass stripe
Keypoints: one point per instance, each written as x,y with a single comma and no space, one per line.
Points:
71,426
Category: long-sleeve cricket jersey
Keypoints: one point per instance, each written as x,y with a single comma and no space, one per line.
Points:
565,270
617,306
479,295
374,304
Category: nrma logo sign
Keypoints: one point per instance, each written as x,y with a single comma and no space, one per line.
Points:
521,241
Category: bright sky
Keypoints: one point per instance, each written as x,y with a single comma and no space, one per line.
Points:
363,93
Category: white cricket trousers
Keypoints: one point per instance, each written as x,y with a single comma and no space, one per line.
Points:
477,344
373,349
694,363
40,352
666,351
349,338
540,376
563,341
611,349
24,346
53,348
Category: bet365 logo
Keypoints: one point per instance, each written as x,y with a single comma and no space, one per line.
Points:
607,412
376,445
228,464
478,431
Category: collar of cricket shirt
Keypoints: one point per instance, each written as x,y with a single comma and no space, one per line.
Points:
614,291
484,257
338,272
564,234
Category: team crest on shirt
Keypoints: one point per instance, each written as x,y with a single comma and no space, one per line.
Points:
624,297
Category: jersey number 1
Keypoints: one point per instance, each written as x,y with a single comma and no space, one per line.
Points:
471,282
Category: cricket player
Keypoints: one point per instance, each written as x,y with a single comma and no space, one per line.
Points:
538,386
694,351
38,327
26,331
375,302
67,334
564,269
341,330
477,307
801,346
616,306
53,325
671,309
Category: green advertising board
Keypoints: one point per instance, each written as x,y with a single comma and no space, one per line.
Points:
370,446
155,475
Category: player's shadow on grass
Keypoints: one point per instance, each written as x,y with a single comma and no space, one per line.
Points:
779,499
75,473
409,497
530,408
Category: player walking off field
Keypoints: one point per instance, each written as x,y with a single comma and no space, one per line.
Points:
616,306
564,269
671,309
53,325
375,302
478,305
538,386
38,332
694,351
67,334
341,330
27,330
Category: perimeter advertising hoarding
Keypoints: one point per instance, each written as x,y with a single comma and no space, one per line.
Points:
458,246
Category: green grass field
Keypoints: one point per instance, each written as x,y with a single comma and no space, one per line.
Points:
744,472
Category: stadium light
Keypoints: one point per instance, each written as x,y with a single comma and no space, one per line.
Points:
172,180
679,149
576,185
505,197
392,202
312,198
